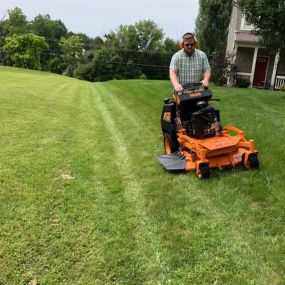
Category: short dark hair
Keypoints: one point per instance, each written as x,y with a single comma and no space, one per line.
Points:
188,35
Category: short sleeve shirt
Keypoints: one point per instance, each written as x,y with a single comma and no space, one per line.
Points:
189,69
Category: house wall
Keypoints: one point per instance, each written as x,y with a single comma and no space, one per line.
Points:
231,32
238,19
244,59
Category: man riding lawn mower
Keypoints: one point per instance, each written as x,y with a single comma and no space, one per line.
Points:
194,138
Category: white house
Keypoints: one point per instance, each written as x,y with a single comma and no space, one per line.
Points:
263,69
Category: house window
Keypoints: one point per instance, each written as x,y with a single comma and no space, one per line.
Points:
244,25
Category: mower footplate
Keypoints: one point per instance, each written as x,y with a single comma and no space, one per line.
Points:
173,162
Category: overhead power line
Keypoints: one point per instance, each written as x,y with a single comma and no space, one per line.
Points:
102,61
113,48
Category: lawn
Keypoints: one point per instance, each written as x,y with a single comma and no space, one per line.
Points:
84,200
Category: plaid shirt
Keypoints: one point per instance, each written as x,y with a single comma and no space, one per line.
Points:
189,69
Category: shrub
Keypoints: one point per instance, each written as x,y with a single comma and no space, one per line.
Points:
143,76
242,83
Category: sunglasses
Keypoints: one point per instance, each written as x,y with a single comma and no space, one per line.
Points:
189,45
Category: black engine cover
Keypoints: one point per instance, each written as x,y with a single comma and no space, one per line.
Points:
202,123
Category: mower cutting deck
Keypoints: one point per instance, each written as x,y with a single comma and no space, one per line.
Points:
194,138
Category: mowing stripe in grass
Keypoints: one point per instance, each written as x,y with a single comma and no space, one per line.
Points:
147,245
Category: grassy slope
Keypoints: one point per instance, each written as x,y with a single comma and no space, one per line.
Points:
123,219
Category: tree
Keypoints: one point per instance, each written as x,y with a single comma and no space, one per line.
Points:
212,25
25,50
106,65
139,45
72,49
52,30
144,35
89,43
211,29
16,23
268,18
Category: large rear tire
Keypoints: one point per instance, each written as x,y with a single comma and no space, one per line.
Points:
170,145
204,171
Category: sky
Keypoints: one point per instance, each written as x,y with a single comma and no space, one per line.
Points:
97,17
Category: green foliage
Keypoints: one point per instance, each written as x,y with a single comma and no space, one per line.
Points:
107,65
85,71
142,44
24,50
242,83
72,49
16,23
143,76
56,65
268,20
42,25
51,30
89,43
212,25
132,51
211,29
218,65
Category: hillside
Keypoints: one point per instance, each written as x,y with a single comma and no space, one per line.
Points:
84,200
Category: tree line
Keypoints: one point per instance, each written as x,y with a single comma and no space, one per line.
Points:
132,51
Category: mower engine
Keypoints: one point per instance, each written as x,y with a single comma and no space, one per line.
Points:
203,123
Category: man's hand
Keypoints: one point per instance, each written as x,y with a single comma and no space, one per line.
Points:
178,87
205,83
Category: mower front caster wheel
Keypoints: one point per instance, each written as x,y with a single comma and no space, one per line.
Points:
204,171
252,161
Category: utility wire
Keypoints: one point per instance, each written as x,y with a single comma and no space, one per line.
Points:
111,48
102,61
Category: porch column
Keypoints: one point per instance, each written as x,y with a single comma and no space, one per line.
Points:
276,61
230,80
253,66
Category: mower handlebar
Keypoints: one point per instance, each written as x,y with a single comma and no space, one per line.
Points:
190,87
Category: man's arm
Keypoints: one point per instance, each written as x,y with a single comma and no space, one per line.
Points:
207,71
174,80
207,76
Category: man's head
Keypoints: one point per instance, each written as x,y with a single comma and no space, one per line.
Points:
188,41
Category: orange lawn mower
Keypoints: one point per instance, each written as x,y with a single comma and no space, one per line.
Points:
194,138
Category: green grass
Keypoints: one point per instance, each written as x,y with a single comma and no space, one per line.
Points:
84,200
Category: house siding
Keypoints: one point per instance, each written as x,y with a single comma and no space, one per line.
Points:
246,37
238,19
244,59
231,32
